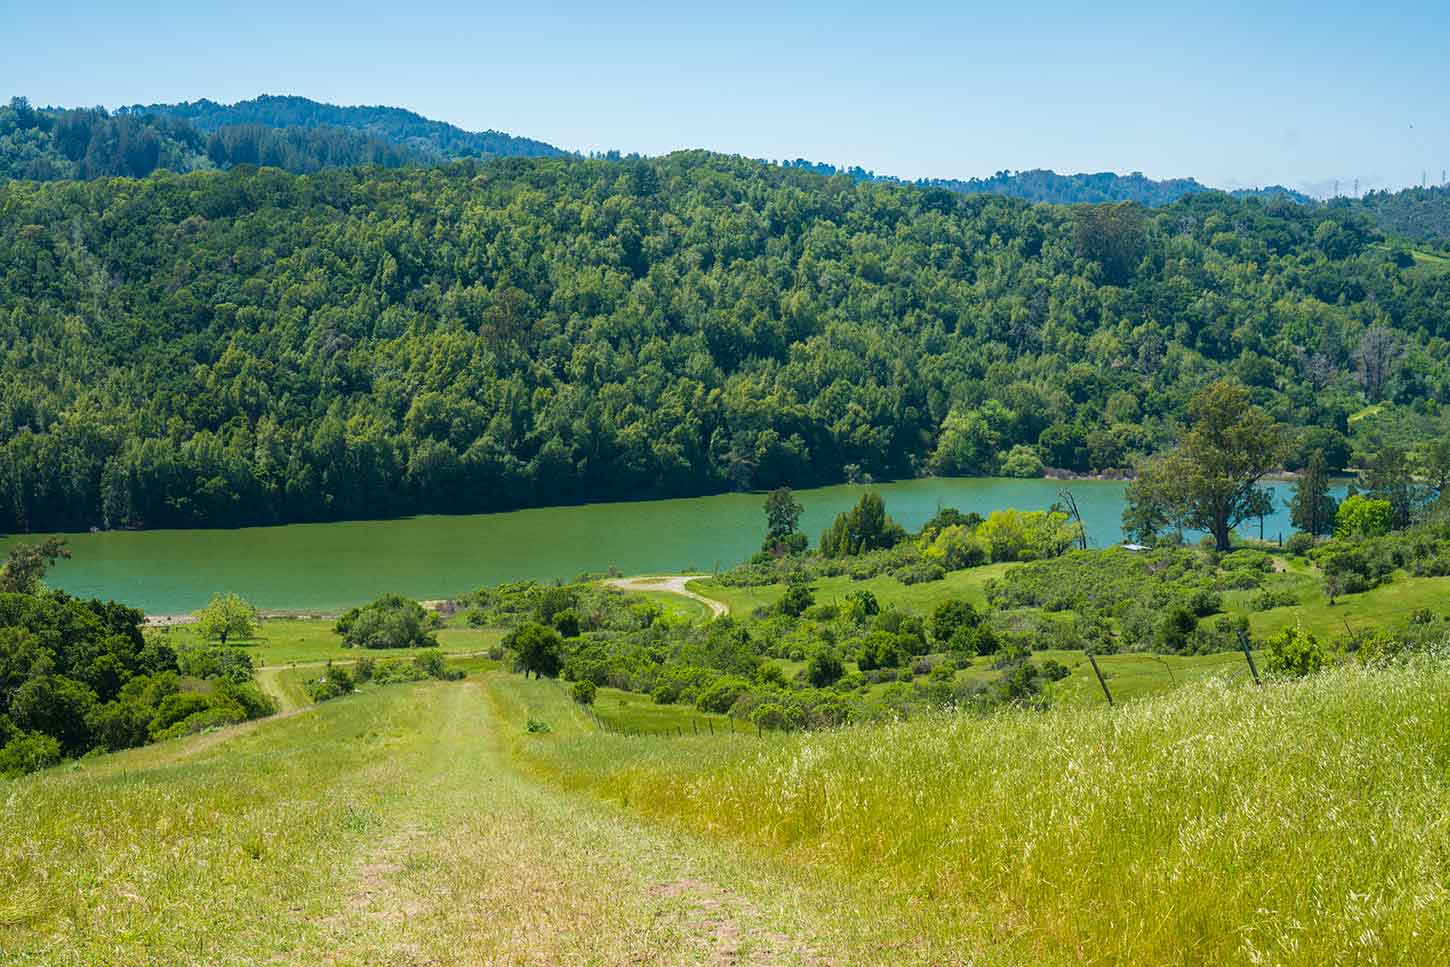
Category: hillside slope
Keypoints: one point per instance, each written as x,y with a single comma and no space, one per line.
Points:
1300,824
253,347
433,139
294,134
1045,185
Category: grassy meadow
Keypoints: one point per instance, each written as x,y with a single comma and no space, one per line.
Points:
969,584
389,827
1304,823
287,641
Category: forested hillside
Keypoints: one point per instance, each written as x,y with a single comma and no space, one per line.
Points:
1417,213
435,140
293,134
1043,185
252,346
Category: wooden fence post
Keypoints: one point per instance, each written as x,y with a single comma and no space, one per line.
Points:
1249,654
1101,681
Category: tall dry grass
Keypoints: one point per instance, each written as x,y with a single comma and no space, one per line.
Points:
1304,823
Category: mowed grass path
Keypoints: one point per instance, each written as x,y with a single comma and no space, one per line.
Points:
1299,824
390,827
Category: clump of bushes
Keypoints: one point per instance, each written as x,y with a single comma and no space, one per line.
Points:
392,621
337,680
81,676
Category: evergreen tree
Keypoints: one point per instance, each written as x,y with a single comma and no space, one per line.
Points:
1311,508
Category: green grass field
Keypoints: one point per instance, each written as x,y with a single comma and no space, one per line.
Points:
282,641
969,584
1299,824
676,604
1385,605
1304,823
386,828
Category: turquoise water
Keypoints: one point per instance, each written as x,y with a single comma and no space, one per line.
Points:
320,567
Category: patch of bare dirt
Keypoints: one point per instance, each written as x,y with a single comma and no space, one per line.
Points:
724,928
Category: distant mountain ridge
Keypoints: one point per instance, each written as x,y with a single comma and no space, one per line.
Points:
438,139
1045,185
302,136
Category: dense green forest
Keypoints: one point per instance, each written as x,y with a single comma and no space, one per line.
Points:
1416,213
434,140
293,134
1044,185
251,346
302,136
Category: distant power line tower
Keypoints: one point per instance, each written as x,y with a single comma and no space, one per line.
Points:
1356,187
1336,188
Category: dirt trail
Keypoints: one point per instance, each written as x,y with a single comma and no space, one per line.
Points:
674,584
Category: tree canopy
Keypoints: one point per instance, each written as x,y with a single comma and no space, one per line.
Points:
249,346
1210,481
226,616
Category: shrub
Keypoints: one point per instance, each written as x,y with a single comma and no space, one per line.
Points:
1203,602
566,622
770,715
1014,535
537,727
1268,599
955,546
880,649
392,621
1361,516
27,753
825,668
919,573
122,724
584,692
951,616
721,694
1247,558
213,661
797,598
860,605
1299,544
1295,652
334,682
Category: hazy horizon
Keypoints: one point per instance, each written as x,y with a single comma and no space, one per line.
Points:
1233,96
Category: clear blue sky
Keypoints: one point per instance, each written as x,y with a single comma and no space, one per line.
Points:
1233,94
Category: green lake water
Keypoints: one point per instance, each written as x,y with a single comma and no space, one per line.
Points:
323,567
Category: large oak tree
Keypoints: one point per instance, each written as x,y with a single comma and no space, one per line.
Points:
1210,481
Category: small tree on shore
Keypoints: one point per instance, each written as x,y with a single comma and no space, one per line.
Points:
782,523
228,616
1311,509
865,527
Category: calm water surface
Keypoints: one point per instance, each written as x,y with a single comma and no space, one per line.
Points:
317,567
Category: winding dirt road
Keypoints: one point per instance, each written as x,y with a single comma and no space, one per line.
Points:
674,584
